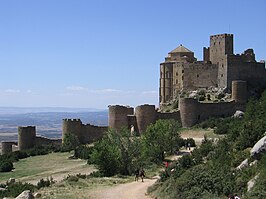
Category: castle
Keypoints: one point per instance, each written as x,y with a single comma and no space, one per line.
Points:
180,71
220,66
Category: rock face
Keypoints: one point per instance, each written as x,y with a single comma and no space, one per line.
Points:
238,114
25,195
258,148
243,164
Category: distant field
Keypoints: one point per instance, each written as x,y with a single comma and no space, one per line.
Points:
57,165
48,124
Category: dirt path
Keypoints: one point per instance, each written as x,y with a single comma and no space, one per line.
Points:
133,190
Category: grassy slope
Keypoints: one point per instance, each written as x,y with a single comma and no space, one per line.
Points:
32,169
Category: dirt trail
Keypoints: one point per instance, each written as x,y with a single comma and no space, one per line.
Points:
133,190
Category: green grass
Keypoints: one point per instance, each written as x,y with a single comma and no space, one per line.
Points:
37,167
81,189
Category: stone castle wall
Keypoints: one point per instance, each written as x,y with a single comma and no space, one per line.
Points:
253,73
199,75
145,115
26,137
220,66
85,133
6,147
118,116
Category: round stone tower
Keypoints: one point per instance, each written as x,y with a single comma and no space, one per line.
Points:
188,111
26,137
239,91
72,126
145,115
117,118
6,147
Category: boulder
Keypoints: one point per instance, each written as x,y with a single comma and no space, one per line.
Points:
251,183
37,195
238,114
25,195
258,148
243,164
11,181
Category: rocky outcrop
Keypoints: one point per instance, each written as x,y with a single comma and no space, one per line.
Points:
25,195
243,164
238,114
259,148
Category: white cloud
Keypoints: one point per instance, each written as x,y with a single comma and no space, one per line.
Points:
12,91
149,92
107,90
76,88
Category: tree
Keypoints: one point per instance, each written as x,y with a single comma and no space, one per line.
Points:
70,142
116,153
161,137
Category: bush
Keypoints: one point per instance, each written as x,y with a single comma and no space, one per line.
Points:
70,142
116,153
201,98
72,179
6,166
45,183
191,142
14,189
83,152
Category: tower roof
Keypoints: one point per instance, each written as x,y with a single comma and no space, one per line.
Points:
181,49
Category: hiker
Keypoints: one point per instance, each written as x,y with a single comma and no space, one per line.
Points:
136,174
189,146
142,174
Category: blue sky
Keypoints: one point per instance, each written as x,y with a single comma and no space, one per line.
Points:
82,53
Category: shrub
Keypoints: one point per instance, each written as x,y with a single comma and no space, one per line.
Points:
6,166
83,152
201,98
45,183
191,142
72,179
14,189
70,142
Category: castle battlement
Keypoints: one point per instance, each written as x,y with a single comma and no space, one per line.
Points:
219,68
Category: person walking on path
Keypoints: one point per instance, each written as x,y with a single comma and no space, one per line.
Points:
136,174
142,174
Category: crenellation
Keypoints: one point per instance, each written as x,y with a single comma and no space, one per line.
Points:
219,68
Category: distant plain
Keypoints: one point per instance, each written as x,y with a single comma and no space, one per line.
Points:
48,123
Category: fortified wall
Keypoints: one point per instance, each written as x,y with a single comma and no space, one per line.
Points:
27,139
192,111
86,133
144,115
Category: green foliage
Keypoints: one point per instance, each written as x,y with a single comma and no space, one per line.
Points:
83,152
186,161
210,123
161,137
6,166
45,183
14,189
116,153
70,142
189,141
